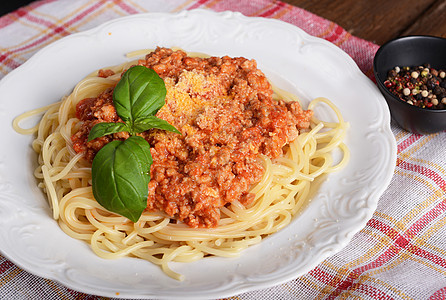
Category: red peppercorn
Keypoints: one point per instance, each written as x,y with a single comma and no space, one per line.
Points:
409,85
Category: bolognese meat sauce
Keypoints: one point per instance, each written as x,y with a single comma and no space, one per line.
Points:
226,114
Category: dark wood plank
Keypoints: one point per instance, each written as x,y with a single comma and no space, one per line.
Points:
381,20
377,21
431,22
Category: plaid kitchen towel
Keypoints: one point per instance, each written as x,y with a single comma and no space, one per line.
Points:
399,254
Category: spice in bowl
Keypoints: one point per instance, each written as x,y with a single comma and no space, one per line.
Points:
420,86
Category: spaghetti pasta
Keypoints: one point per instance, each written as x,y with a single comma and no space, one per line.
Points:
279,196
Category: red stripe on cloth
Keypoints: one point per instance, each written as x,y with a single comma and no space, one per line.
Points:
13,16
125,7
198,4
6,20
348,283
428,217
322,276
371,291
85,13
279,5
439,181
335,34
389,231
407,142
9,62
25,14
438,260
405,242
5,266
399,243
440,294
35,43
56,30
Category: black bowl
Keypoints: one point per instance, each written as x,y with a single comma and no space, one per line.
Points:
411,51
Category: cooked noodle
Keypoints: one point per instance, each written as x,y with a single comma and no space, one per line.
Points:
279,196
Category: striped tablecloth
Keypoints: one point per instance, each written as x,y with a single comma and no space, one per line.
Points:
400,254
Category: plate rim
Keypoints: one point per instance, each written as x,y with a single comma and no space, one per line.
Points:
226,14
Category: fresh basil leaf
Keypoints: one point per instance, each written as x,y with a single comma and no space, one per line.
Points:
120,176
147,123
102,129
140,93
121,169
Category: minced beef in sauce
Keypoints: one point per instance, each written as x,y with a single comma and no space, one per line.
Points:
225,111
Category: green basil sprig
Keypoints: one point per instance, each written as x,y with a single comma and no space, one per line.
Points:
121,169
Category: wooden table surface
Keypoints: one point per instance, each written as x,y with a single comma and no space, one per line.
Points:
381,20
374,20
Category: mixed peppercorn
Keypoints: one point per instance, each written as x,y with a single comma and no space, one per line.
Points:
421,86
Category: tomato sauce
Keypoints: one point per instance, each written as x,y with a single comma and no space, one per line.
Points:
227,116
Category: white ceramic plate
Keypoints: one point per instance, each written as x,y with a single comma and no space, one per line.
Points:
305,65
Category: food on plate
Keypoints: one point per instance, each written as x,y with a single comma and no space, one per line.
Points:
215,156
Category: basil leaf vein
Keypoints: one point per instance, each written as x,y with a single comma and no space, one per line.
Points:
102,129
120,177
143,124
139,93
